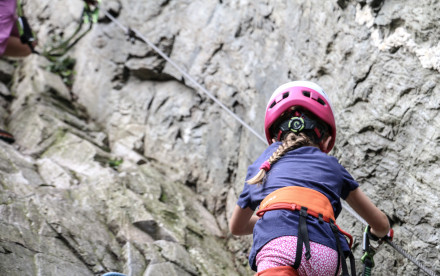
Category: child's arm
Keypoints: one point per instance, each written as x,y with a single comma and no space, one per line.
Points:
242,221
377,220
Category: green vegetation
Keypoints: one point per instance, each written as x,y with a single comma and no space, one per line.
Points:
115,163
63,66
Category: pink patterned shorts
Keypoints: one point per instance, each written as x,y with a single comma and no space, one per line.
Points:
281,252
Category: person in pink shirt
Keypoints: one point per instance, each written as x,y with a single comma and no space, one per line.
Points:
10,43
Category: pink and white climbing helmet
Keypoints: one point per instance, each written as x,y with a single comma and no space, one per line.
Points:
305,94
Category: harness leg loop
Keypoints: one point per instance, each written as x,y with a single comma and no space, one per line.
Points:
303,236
341,256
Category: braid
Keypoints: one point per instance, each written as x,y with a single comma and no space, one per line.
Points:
290,142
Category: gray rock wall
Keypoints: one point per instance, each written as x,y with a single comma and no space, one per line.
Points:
379,61
69,206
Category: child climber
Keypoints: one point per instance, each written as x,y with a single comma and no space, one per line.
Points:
298,190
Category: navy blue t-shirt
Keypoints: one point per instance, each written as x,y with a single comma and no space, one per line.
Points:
306,167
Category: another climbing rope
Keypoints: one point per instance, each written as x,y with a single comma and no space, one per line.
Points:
135,34
411,258
89,16
392,244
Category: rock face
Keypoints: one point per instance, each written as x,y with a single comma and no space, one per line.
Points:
70,207
133,168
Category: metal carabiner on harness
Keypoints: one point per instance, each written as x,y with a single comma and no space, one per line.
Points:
369,251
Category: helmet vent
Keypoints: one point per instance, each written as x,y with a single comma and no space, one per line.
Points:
319,100
285,95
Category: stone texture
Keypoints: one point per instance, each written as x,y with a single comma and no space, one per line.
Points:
67,201
67,207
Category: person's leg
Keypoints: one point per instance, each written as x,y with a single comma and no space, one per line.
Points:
281,252
14,48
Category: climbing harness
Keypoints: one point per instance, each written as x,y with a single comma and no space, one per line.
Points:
134,33
6,136
27,36
308,202
89,16
278,270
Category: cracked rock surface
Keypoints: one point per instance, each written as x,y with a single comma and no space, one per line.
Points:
133,168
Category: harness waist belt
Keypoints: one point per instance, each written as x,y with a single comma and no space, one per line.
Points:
295,197
316,202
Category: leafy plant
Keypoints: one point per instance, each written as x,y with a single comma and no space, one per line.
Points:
115,163
63,66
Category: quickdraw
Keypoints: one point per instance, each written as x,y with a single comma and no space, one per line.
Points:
370,251
90,15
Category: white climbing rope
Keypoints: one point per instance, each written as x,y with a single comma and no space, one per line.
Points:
130,32
392,244
128,253
186,75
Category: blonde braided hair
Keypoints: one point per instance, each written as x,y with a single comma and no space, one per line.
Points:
290,142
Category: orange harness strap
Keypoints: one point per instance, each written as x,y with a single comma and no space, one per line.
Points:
278,271
294,197
315,202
